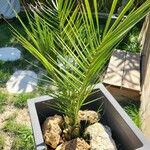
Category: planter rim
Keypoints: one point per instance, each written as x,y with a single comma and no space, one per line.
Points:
124,115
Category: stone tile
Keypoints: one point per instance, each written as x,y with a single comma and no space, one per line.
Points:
9,54
22,81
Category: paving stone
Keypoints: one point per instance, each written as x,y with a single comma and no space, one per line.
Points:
9,54
22,81
7,9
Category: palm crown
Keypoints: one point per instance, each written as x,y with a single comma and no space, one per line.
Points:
67,38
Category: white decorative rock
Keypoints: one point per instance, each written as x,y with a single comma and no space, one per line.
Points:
9,54
9,8
22,81
100,137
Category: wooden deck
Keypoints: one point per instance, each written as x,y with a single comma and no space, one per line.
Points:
124,71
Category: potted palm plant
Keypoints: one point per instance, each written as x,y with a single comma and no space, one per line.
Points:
66,37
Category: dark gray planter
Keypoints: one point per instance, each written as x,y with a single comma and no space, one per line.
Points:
123,129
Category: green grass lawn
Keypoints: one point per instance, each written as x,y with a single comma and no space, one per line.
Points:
132,108
20,100
6,36
130,42
2,141
3,101
22,135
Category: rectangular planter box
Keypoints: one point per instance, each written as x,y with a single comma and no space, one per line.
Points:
124,131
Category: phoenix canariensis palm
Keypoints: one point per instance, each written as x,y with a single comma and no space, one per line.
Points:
66,37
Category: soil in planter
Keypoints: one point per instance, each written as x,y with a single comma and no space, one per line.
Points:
57,137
